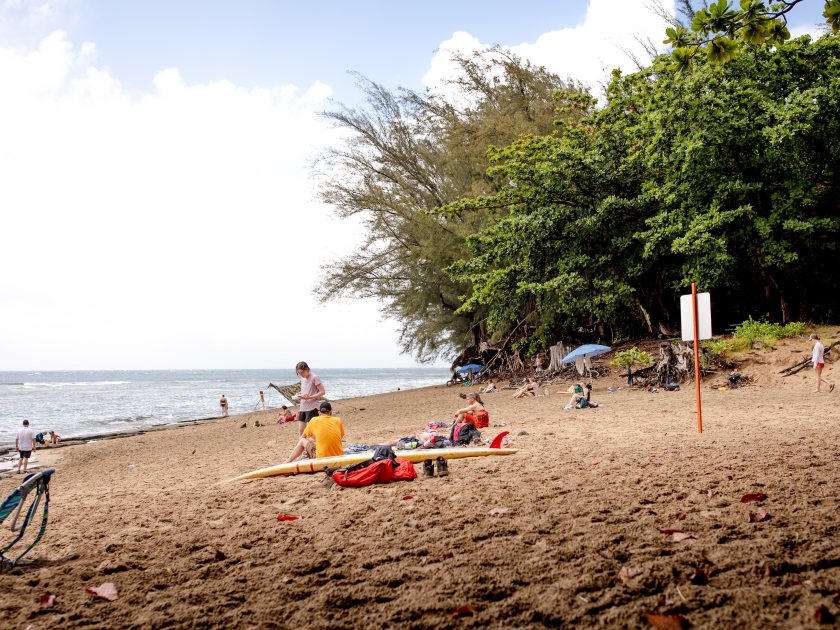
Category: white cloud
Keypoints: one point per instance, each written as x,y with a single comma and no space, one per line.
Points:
586,52
168,229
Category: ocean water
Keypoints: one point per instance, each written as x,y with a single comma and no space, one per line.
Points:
87,403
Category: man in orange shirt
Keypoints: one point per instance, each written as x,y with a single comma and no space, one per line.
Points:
322,436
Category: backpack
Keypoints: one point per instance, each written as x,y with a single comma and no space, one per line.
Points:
404,470
467,434
482,419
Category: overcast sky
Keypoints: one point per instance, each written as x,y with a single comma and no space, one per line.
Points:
157,206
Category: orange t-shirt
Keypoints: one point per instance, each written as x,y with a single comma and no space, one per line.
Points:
327,431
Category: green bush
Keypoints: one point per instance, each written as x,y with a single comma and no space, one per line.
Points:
719,347
631,357
763,331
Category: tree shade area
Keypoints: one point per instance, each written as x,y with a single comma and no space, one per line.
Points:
518,204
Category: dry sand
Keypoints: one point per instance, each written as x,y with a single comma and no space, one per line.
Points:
587,494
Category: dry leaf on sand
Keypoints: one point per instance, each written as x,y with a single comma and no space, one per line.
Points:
495,511
105,591
754,496
463,611
667,622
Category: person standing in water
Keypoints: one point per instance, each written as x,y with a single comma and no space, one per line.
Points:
311,391
223,404
818,359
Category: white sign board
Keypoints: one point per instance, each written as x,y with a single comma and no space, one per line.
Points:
704,316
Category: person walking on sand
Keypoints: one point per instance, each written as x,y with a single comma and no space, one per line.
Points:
311,391
818,359
25,445
223,404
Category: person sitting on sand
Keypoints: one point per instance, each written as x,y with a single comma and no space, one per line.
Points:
580,397
321,437
491,387
531,388
54,438
467,414
223,404
286,415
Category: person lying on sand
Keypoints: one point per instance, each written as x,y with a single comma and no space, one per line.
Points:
531,388
491,387
321,437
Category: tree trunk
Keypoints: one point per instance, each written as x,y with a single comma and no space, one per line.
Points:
556,352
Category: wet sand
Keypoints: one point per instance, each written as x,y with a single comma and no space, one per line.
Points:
586,495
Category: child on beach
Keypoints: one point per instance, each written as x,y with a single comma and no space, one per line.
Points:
25,445
311,390
818,359
54,438
286,415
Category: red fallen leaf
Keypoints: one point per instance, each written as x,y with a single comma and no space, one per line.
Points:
681,517
628,573
105,591
656,461
667,622
463,611
46,600
594,463
823,616
752,518
286,517
681,536
408,497
669,530
498,511
700,577
711,493
788,456
755,496
603,555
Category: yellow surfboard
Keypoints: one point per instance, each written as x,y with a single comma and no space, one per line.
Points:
322,463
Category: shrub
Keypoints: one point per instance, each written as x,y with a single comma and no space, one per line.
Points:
763,331
719,347
629,358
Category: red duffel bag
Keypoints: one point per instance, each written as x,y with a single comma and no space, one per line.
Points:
378,472
405,471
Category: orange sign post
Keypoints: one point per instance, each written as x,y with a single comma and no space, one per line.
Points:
696,357
696,311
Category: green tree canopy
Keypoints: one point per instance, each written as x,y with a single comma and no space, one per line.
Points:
407,154
726,176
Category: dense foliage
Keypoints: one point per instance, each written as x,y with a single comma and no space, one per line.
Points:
726,176
407,154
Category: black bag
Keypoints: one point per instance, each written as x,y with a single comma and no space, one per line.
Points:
467,434
379,453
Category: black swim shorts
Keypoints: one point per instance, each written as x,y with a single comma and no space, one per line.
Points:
306,416
25,454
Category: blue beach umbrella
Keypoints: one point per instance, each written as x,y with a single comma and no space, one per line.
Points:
586,351
475,367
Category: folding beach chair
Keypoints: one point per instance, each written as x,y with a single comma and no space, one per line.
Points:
13,504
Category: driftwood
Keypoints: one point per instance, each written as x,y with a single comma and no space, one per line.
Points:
676,360
798,367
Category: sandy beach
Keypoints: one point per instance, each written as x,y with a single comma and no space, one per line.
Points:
587,495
